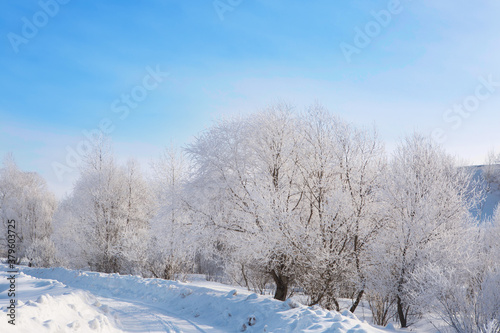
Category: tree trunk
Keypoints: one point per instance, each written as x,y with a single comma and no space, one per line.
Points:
332,300
401,314
356,302
281,286
245,277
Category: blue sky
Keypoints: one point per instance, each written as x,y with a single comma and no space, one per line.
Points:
227,56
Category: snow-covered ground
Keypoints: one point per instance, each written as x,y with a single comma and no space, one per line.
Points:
49,306
61,300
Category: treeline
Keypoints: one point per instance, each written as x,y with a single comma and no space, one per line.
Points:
305,203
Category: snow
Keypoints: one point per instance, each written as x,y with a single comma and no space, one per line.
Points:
492,197
62,300
491,202
49,306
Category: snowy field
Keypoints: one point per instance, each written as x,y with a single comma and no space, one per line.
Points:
61,300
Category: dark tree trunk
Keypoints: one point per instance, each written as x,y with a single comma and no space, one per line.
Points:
281,286
401,314
356,302
245,277
332,301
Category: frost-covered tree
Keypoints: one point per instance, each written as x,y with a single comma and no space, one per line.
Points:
173,240
110,208
247,172
24,197
140,206
340,167
427,200
70,249
42,253
466,296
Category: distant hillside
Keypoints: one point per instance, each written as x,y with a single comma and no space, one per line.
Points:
492,187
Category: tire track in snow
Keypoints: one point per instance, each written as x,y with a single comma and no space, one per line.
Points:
134,312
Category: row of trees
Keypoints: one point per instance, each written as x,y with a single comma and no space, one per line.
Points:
304,203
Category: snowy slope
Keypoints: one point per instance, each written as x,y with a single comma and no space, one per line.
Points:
61,300
492,198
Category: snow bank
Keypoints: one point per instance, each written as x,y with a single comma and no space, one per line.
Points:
229,311
55,309
64,313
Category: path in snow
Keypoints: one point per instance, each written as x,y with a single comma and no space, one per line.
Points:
137,317
47,305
